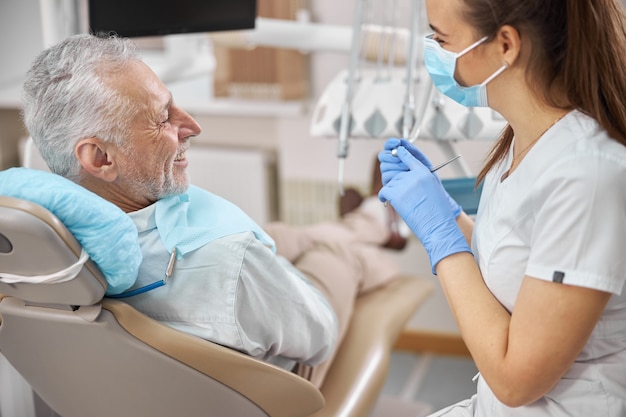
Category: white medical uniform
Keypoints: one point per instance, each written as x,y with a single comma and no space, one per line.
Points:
560,216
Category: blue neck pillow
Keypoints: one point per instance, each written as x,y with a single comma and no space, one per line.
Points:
104,231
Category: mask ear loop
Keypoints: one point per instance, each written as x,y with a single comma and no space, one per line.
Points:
472,46
495,74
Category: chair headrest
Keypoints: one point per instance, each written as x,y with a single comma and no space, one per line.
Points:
34,243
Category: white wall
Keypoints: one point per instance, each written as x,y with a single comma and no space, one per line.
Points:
20,38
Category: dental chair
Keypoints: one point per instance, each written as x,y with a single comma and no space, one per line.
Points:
86,354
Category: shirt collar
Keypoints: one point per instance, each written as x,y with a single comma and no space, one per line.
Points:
144,219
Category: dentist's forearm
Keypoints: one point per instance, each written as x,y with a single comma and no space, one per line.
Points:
483,322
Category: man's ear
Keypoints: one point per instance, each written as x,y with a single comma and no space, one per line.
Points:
509,42
93,157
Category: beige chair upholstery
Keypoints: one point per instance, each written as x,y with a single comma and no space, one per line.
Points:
359,370
86,355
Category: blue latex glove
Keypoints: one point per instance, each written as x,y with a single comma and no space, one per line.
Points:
390,165
419,198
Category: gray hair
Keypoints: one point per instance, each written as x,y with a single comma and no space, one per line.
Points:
67,98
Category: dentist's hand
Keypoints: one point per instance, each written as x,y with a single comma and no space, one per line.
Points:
391,165
417,195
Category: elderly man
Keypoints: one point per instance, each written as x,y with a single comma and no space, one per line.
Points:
103,119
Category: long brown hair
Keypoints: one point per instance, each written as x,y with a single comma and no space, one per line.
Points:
578,57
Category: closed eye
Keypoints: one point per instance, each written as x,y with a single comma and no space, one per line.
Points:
165,120
436,38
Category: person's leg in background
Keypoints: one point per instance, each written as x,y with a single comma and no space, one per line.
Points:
362,220
352,200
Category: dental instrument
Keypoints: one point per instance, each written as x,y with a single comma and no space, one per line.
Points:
443,164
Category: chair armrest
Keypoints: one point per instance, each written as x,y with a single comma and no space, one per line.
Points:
360,367
279,392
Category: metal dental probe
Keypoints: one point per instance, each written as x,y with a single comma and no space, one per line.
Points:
445,163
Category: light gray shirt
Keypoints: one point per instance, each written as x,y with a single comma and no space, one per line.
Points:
236,292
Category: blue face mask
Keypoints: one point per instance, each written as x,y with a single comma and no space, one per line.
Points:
441,65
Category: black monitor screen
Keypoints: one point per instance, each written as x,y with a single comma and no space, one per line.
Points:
162,17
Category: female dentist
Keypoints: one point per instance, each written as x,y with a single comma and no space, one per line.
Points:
539,298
